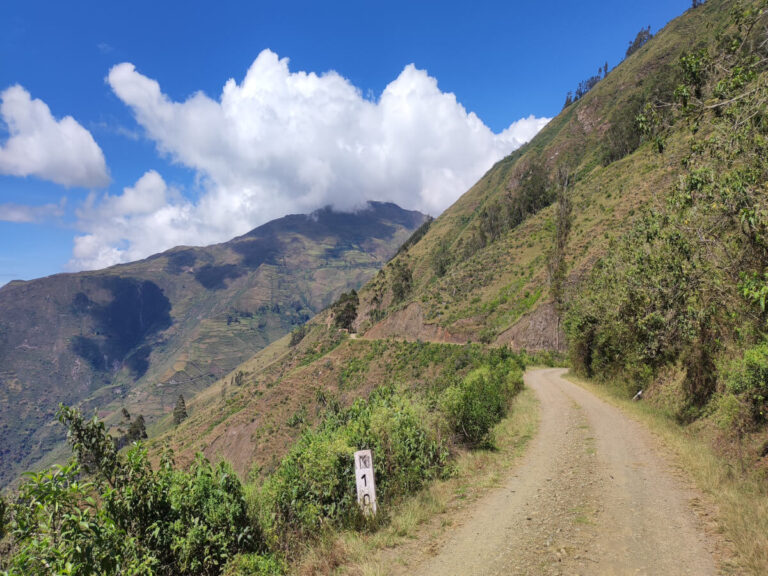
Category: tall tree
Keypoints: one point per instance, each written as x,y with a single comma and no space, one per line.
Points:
137,430
180,411
642,37
345,310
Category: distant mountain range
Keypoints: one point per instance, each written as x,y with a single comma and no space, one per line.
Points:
137,335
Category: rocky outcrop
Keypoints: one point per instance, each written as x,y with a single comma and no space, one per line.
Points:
538,330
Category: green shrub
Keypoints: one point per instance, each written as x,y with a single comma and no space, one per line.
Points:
254,565
748,379
441,258
128,518
314,485
401,281
210,517
477,403
345,310
406,450
297,334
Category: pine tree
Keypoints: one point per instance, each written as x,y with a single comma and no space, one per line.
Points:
137,430
180,411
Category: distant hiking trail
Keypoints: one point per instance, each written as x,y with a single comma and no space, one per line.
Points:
591,496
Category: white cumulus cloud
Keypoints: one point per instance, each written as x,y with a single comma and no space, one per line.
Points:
146,218
38,144
284,142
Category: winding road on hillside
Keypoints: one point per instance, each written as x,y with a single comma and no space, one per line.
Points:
593,495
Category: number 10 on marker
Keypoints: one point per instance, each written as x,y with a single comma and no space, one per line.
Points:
366,486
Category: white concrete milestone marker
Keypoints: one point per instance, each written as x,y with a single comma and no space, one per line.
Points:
366,486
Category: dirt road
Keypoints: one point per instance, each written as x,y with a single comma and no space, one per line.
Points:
592,495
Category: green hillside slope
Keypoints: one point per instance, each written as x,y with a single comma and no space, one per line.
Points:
140,334
484,270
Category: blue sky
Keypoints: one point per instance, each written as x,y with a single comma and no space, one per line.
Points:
143,167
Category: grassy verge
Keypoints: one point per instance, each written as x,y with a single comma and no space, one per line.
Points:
418,522
741,500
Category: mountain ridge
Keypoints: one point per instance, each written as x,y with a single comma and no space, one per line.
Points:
142,333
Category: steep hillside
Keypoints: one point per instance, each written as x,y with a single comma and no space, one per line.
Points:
631,232
485,269
140,334
508,261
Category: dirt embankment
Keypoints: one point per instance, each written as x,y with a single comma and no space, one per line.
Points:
408,324
536,331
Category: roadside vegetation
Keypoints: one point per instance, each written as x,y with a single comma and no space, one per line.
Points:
113,512
677,306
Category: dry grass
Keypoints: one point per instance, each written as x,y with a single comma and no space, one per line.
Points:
420,520
740,501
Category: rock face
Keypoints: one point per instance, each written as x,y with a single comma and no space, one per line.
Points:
138,335
539,330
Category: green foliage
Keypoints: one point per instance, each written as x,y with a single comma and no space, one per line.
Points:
678,287
754,288
401,280
58,529
640,40
3,511
748,380
420,232
694,68
298,418
297,334
255,565
477,403
128,518
345,310
137,430
180,411
533,193
650,123
646,304
209,520
313,487
624,134
239,378
441,258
